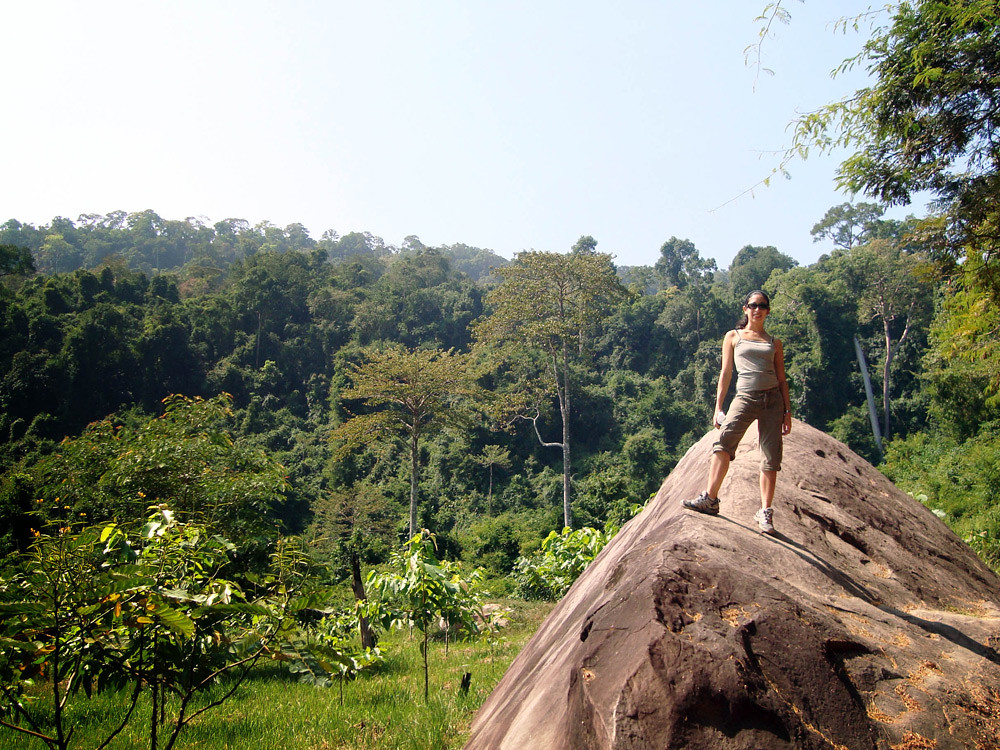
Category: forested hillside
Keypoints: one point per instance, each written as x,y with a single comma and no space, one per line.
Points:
230,453
281,334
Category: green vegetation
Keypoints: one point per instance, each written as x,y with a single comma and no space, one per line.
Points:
297,351
419,393
209,434
161,613
959,480
378,710
427,594
550,572
928,123
543,317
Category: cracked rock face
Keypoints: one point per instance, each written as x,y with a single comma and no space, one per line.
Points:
864,622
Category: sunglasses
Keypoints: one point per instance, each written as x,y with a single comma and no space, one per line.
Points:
758,306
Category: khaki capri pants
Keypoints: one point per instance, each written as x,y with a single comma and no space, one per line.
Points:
768,409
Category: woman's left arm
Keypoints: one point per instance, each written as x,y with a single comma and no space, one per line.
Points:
779,370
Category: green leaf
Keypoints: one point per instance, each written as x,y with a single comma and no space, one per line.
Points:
175,620
235,608
15,609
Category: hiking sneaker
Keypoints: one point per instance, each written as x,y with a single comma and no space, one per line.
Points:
703,504
764,518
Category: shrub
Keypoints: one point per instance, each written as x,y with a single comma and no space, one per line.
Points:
156,612
423,592
960,479
549,573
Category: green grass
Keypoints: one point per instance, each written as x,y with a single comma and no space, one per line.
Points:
383,708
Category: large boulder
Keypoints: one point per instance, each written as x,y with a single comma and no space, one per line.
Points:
864,622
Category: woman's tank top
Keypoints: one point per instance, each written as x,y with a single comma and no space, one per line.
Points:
754,362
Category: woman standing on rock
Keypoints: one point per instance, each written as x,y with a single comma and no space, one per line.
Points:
762,395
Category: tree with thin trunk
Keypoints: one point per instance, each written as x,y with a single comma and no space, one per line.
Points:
849,224
352,525
892,293
549,304
410,394
493,455
924,126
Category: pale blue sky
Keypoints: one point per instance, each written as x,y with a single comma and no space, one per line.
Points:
513,126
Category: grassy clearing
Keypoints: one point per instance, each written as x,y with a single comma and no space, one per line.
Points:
383,709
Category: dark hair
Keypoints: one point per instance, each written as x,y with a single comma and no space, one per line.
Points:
744,320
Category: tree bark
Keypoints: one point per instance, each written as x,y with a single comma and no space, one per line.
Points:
885,380
414,475
489,496
368,639
564,407
872,411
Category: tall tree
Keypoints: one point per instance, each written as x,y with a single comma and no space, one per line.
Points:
492,455
680,264
929,120
891,293
586,244
927,124
408,393
551,303
752,267
848,225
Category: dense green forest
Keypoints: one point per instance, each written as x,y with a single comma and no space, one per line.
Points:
105,317
497,401
208,433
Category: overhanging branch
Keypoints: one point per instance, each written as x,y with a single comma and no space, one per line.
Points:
534,421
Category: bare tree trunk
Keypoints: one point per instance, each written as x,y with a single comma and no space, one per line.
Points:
567,509
872,413
564,407
260,324
414,475
885,381
154,722
562,381
368,639
426,627
489,496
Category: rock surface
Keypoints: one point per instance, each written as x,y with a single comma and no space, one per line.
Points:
863,623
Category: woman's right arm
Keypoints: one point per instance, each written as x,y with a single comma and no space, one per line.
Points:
726,373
